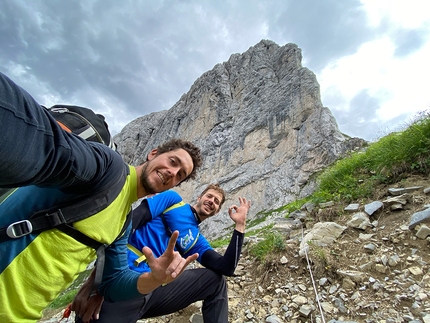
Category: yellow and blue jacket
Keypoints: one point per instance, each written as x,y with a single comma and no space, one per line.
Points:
35,267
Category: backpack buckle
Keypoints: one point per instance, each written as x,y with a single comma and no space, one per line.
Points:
19,229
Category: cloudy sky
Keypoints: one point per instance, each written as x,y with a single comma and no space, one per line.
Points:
128,58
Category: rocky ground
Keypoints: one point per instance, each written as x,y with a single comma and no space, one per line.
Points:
374,270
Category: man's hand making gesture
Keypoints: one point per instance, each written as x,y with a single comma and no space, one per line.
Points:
163,269
238,213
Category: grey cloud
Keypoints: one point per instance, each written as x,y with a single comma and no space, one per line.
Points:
356,118
361,120
141,56
325,30
408,41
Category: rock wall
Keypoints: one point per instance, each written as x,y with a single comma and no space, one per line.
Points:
261,125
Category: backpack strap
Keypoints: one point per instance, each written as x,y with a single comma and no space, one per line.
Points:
5,193
141,215
73,211
98,246
62,219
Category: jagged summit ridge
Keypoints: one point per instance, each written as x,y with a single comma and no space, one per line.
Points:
260,123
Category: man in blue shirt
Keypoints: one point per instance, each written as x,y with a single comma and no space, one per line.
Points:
167,212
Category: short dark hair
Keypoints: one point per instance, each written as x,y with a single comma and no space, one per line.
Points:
217,188
189,147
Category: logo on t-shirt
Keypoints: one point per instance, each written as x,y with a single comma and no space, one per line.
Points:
186,240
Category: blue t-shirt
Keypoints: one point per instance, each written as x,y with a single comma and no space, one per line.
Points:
179,216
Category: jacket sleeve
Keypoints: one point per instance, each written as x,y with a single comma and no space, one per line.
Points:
225,265
119,282
36,151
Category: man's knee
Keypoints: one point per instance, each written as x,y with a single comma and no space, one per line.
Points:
213,276
217,281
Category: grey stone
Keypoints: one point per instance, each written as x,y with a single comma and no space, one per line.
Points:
373,207
401,199
396,191
298,215
359,221
273,319
393,260
326,204
323,281
423,232
400,191
370,247
308,206
356,276
322,234
196,318
352,207
305,310
419,217
396,207
340,305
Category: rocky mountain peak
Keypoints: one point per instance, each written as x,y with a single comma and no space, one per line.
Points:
260,123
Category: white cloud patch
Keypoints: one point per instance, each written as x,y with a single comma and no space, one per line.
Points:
407,14
387,85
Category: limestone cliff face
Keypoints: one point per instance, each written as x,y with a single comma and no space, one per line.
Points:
260,123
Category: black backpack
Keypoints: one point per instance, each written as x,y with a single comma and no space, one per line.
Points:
83,122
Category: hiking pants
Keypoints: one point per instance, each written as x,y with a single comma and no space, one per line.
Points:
191,286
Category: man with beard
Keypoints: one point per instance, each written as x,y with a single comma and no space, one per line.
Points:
52,167
166,212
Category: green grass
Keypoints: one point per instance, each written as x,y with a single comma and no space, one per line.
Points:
218,243
383,161
272,242
263,230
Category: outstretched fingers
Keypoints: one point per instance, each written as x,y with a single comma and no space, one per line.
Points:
245,205
178,263
170,264
172,242
244,202
178,266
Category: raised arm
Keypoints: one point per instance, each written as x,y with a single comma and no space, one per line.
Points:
227,263
35,150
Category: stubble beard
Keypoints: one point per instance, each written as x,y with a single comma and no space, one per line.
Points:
202,212
144,181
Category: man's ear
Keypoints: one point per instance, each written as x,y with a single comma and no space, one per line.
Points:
152,154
